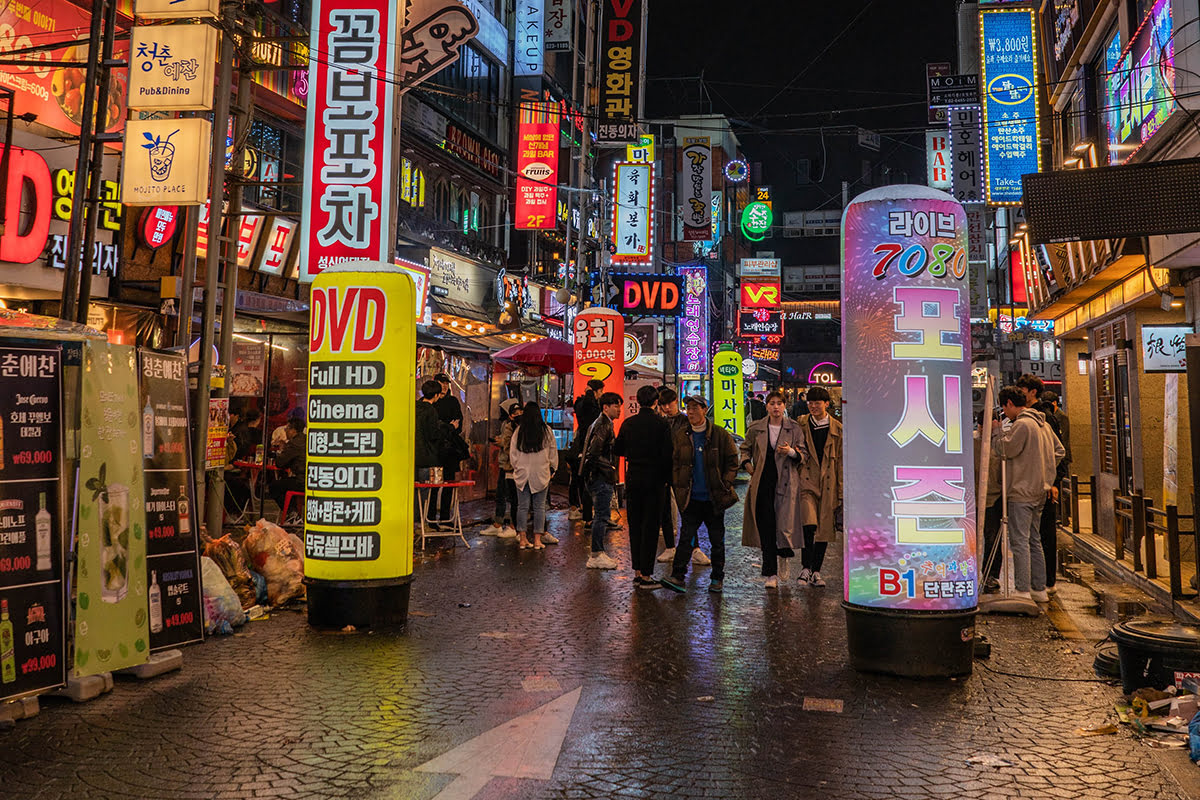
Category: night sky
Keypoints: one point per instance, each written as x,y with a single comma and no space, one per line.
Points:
851,55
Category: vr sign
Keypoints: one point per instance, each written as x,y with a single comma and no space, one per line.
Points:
645,294
760,294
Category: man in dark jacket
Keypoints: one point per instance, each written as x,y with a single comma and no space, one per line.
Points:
705,466
645,443
587,409
598,472
427,439
248,434
290,463
449,411
758,409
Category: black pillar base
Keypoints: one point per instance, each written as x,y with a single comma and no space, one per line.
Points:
910,644
374,605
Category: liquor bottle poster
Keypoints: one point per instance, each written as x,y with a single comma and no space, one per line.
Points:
175,614
111,630
32,628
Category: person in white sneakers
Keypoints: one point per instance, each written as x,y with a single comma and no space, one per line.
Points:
773,452
598,472
506,489
820,484
1032,453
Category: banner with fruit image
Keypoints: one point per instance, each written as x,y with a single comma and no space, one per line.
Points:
111,622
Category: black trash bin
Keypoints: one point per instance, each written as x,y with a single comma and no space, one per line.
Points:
1151,653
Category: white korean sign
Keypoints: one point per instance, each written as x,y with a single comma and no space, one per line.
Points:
171,67
276,245
966,155
166,162
348,148
759,268
560,22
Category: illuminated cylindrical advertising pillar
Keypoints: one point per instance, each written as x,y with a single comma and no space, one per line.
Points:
729,397
358,505
911,572
599,349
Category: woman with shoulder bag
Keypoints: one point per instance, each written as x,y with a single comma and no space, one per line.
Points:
534,457
774,448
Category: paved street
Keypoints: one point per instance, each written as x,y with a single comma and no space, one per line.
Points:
733,696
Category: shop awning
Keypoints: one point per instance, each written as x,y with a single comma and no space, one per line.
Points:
458,309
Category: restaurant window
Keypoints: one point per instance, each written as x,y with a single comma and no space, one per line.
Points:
441,200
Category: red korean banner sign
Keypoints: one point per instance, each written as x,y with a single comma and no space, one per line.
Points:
348,150
910,521
599,349
55,93
537,166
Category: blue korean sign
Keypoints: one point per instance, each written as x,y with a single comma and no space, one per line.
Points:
529,38
1008,59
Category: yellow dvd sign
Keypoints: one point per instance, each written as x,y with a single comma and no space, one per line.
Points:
361,390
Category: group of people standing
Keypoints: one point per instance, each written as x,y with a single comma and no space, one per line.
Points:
683,464
1030,440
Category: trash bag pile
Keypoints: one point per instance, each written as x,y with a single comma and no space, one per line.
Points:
222,609
279,557
229,556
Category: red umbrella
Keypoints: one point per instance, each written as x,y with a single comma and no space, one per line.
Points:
536,358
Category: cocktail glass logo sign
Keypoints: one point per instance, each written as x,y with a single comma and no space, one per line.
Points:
910,532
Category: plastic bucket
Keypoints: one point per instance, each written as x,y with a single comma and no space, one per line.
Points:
1107,663
1154,653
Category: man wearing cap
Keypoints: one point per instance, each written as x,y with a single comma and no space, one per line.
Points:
506,488
705,466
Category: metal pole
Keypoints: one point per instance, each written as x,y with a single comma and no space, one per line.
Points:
75,259
212,255
191,225
216,496
96,168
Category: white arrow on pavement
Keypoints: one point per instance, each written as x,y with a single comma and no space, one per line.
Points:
524,747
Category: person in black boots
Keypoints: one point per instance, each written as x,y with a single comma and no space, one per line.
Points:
774,450
820,484
587,409
645,443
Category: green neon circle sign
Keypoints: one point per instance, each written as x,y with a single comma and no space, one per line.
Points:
756,221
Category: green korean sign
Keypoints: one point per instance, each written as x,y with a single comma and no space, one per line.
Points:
757,219
111,626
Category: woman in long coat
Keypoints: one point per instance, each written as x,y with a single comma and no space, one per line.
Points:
774,448
820,484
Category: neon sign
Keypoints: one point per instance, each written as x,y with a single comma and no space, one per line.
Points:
910,536
691,331
826,373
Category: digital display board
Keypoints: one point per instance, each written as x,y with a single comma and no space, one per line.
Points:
1008,66
1139,85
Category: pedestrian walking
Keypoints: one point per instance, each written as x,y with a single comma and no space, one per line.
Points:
598,472
506,488
645,443
534,457
820,484
773,450
705,464
1031,455
587,409
758,409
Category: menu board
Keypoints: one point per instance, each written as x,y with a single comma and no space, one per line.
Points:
172,558
249,369
32,634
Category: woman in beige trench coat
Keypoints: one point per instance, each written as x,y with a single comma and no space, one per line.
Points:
820,484
774,448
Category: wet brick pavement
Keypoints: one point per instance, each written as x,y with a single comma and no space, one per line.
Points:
281,711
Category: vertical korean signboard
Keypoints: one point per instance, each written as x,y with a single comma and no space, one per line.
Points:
111,614
729,402
966,154
560,21
348,151
172,527
529,38
32,633
358,550
937,158
599,349
621,33
910,528
1011,127
691,329
633,213
537,166
695,189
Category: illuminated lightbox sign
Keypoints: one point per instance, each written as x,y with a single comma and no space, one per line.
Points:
760,322
647,294
1139,84
1008,64
633,207
910,523
1164,348
691,329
